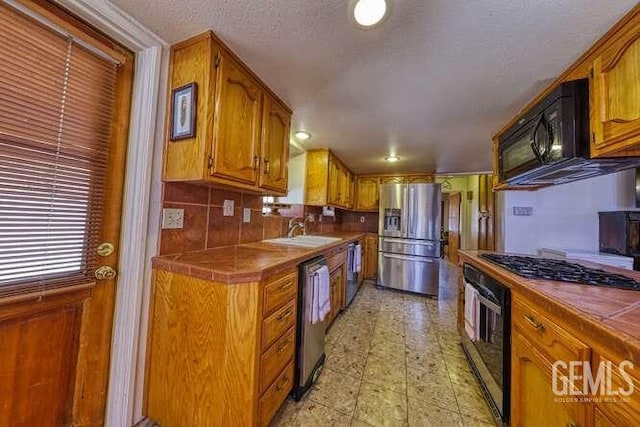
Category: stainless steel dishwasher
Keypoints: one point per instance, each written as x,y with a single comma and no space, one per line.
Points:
309,337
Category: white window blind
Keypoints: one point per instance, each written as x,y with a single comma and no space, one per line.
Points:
56,111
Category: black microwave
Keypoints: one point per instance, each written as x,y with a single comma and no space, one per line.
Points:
554,132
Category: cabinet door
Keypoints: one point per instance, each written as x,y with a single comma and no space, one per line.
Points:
352,191
533,402
614,92
344,186
392,180
367,194
371,252
336,292
420,179
275,146
333,196
237,120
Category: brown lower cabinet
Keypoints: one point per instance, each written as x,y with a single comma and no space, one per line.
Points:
370,266
336,279
220,354
539,339
533,400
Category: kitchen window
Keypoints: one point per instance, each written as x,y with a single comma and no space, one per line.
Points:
57,97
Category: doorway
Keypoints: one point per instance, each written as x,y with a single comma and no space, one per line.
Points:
63,141
451,225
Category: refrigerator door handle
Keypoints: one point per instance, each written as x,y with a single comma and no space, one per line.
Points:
405,211
409,258
411,211
405,242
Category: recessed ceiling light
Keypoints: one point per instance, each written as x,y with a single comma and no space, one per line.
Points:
369,12
302,135
392,159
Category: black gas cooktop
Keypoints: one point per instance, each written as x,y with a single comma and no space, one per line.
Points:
559,270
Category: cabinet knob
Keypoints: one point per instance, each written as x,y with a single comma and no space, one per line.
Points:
571,424
256,162
266,166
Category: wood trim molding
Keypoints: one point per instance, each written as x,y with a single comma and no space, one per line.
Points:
134,276
114,22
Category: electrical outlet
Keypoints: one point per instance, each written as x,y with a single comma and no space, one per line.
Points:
362,219
227,208
311,218
172,218
522,210
246,215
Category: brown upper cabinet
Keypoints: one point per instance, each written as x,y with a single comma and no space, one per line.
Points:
615,96
368,187
275,145
330,183
612,66
328,180
242,129
367,193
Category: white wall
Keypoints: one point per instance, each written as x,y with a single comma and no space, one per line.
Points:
564,216
297,176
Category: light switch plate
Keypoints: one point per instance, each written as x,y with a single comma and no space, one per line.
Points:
172,218
227,208
246,215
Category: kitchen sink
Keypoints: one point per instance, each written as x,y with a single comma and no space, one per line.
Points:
305,241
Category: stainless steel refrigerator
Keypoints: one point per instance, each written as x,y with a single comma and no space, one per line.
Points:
409,237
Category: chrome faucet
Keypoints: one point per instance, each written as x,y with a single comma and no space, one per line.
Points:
295,224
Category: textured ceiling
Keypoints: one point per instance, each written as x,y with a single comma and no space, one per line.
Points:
432,84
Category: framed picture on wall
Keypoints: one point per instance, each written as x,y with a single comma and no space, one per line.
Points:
183,111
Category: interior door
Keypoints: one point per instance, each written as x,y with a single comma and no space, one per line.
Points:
237,123
61,181
454,226
275,146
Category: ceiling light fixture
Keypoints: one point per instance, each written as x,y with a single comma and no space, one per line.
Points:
392,159
368,13
302,135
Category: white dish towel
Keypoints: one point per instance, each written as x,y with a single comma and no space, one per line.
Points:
471,311
321,294
357,259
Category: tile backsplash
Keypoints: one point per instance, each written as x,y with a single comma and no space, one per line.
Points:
206,227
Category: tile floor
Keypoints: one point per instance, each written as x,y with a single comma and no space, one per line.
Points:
393,359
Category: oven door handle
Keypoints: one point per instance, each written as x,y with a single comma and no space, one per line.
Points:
491,305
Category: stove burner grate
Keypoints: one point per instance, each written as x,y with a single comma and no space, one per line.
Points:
559,270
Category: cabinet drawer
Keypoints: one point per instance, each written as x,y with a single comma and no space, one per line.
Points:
275,395
338,259
279,292
276,358
275,325
548,337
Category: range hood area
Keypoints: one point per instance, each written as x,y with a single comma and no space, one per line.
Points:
550,143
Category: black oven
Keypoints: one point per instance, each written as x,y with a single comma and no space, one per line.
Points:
489,351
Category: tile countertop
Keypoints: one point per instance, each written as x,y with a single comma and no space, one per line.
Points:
610,316
249,262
